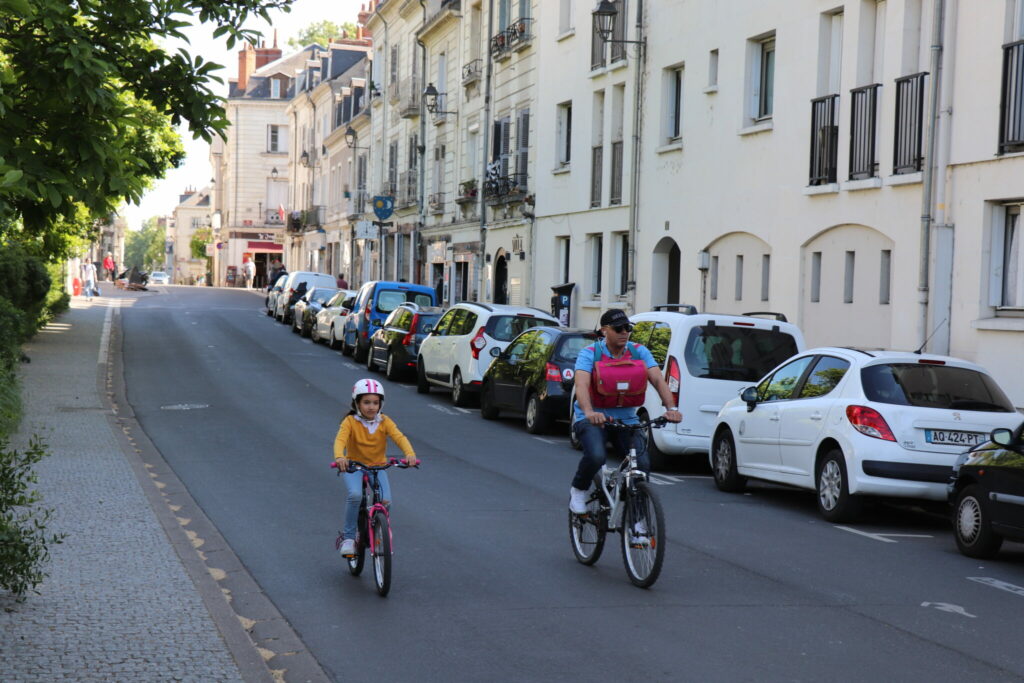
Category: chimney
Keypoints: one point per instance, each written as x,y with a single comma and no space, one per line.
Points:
246,65
266,55
189,191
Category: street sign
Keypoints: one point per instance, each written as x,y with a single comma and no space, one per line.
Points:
383,206
209,250
365,230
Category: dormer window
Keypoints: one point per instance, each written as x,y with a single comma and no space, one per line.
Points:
275,88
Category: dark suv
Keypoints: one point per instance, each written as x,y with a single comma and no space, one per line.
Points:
396,345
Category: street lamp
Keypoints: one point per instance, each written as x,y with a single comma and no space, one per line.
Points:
351,136
430,96
604,17
274,173
304,159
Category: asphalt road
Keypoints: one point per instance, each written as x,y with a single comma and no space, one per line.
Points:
485,586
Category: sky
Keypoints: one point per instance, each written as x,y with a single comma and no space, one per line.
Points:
196,172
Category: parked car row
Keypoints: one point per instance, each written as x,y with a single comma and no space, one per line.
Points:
845,423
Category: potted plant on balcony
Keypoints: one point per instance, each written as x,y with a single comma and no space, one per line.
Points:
467,190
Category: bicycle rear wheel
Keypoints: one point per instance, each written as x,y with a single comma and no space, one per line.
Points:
381,553
587,532
643,535
355,563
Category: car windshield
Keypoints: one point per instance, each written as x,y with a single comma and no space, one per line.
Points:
508,327
323,295
571,347
933,386
741,354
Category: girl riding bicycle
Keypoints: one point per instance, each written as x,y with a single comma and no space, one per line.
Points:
363,437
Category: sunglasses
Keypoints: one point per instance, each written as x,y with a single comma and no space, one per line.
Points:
628,327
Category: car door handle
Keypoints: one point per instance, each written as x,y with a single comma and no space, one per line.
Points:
774,418
816,416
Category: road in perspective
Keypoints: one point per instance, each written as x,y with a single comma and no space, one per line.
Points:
485,585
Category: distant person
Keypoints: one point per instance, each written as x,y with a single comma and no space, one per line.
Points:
342,282
108,266
276,270
249,272
89,280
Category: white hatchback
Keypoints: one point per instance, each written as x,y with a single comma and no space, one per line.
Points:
330,320
848,423
458,350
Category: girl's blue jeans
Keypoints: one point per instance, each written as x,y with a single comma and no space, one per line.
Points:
354,484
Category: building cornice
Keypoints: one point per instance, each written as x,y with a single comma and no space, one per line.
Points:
449,14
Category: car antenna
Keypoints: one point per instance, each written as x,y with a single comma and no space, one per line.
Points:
925,342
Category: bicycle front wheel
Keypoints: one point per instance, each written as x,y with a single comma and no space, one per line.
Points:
587,532
355,563
381,553
643,535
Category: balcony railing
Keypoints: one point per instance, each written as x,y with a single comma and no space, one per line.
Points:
596,171
907,154
357,203
412,95
863,132
273,217
436,202
824,139
615,191
467,192
472,72
1011,99
387,188
516,36
407,194
504,188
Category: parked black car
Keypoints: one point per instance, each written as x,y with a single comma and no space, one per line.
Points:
534,376
396,345
308,306
987,492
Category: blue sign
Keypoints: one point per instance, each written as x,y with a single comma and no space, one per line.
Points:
383,206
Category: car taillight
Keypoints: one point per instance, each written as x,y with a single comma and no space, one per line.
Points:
552,373
478,343
366,313
869,422
674,378
408,338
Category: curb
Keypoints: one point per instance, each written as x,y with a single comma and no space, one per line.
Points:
260,640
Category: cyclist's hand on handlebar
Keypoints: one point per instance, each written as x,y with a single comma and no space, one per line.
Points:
595,418
341,464
673,416
411,461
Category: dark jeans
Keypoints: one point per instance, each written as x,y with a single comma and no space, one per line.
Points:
593,438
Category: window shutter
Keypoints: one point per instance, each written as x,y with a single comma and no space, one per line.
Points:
506,132
523,147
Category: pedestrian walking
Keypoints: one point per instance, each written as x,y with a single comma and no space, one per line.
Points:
249,272
108,266
342,282
89,280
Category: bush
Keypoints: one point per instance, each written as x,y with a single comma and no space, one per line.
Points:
25,283
24,541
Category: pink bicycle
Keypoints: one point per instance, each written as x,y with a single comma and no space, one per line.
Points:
374,525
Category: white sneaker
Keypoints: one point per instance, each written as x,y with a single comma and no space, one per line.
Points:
577,501
639,534
348,548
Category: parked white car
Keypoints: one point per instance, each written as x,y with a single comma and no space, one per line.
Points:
330,321
458,350
285,301
158,277
848,423
706,359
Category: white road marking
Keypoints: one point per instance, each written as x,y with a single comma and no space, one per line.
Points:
539,438
996,583
947,607
884,538
663,479
443,409
467,411
105,337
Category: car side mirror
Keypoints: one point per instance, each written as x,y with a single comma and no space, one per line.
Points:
427,329
1002,436
495,351
749,396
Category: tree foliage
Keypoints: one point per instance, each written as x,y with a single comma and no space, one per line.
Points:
88,102
321,32
197,244
144,248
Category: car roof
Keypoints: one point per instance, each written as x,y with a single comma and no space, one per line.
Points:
884,356
683,319
507,309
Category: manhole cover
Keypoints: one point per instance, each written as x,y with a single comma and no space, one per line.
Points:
185,406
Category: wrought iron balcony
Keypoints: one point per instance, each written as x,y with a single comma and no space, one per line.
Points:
472,72
436,202
864,132
467,192
407,194
907,153
412,96
824,139
500,189
515,37
357,204
1011,100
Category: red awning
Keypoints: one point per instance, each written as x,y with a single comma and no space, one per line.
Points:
266,246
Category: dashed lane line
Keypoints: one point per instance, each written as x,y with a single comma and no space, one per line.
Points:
884,538
996,583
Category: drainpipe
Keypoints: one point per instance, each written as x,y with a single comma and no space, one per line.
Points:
422,170
489,71
634,192
943,276
927,195
383,134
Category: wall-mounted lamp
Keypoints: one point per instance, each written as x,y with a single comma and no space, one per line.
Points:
304,159
605,16
703,260
430,97
351,136
274,173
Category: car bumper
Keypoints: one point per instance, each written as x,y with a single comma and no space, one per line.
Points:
891,470
672,443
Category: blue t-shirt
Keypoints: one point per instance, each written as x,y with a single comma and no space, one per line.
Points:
585,362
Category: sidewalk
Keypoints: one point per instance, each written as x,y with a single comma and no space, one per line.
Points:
118,604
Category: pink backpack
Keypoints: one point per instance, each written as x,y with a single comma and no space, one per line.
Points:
618,382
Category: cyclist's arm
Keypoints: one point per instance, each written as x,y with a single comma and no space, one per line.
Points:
399,438
582,381
340,442
657,380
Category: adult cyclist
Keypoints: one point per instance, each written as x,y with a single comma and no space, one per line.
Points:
611,381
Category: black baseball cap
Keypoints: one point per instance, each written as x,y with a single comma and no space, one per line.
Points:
614,316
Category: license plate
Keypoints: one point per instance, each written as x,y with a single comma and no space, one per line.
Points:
951,438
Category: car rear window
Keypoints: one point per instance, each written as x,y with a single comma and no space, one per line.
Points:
388,299
426,322
933,386
571,347
508,327
323,295
740,354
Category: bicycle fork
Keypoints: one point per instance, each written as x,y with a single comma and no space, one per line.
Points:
371,537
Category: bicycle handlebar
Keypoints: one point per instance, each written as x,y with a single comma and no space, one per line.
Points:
354,466
656,423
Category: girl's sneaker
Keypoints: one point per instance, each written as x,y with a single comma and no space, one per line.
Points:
348,548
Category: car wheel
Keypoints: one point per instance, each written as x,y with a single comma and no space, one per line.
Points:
422,385
359,353
488,410
537,421
834,500
391,369
574,440
346,350
332,341
296,326
972,523
313,334
657,458
270,313
723,463
370,364
460,397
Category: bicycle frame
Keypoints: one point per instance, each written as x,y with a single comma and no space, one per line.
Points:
371,482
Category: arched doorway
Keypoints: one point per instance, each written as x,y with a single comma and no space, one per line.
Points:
665,272
500,279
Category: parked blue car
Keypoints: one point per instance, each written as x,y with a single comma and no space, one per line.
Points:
374,302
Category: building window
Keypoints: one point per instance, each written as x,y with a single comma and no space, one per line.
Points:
713,69
564,134
595,257
621,263
565,12
766,262
816,276
277,140
522,148
673,81
562,252
1007,286
762,76
885,277
848,277
275,88
714,278
739,277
